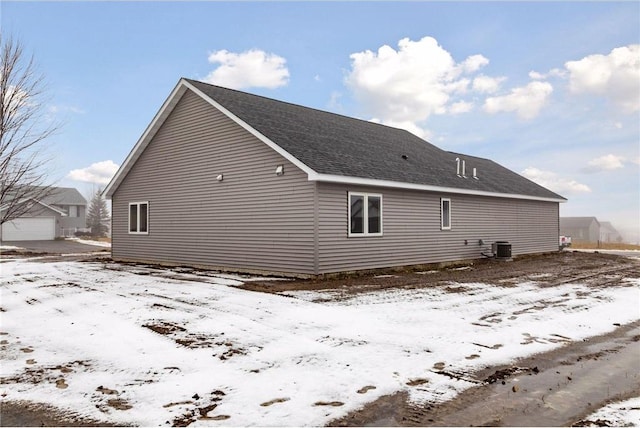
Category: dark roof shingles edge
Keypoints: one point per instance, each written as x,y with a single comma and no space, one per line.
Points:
345,146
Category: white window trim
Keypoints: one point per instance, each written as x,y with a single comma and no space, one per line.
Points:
442,226
365,220
137,204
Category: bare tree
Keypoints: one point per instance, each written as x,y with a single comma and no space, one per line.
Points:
23,129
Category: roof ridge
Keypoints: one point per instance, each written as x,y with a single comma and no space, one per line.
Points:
468,155
292,104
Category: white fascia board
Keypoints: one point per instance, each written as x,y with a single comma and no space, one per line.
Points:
167,107
62,213
341,179
288,156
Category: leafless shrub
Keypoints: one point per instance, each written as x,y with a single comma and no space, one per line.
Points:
24,128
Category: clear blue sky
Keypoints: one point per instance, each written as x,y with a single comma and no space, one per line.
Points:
550,90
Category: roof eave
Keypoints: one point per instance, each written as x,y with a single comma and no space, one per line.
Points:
341,179
182,86
36,201
282,152
160,117
52,208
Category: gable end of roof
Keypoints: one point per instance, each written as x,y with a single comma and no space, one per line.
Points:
334,148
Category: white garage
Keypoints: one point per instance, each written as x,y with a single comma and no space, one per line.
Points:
29,229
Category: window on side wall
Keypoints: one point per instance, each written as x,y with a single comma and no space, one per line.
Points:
365,214
445,214
139,217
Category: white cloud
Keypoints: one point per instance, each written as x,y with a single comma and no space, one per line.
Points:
605,163
253,68
526,101
55,109
486,84
615,76
552,181
99,173
407,85
534,75
407,125
474,63
460,107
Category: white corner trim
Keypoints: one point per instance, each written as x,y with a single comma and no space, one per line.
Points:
342,179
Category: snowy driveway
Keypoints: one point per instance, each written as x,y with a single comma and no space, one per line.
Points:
148,347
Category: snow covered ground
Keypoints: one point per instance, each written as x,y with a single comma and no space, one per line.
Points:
145,346
622,414
92,242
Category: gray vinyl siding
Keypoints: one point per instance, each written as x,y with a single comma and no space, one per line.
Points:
69,225
253,220
590,233
412,235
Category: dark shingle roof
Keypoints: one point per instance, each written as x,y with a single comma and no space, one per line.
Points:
577,222
64,196
334,144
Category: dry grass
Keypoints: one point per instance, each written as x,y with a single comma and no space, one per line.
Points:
96,238
583,245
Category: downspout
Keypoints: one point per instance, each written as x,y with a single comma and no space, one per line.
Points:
316,229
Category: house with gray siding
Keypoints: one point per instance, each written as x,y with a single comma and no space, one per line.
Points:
608,233
580,229
61,212
228,180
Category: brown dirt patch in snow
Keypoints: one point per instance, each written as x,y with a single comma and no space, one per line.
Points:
556,388
547,270
26,414
199,409
224,349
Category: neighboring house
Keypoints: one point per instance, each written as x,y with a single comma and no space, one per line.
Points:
586,229
608,233
61,213
229,180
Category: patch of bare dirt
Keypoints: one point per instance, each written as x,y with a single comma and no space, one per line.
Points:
24,414
557,388
200,408
51,374
547,270
224,349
